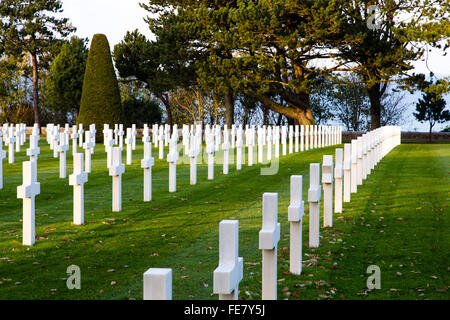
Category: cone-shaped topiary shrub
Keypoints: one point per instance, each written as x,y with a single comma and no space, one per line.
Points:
100,98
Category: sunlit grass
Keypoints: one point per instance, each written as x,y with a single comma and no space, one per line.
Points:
398,220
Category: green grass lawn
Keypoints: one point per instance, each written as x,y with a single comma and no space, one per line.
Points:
398,220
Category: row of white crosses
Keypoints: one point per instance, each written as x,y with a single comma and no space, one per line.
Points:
14,134
378,143
59,142
192,144
158,282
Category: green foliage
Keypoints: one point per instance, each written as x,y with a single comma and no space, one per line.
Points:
388,51
63,86
274,50
32,28
139,107
100,99
161,65
431,108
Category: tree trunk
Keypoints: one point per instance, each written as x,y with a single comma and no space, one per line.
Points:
302,113
265,111
164,99
375,106
431,132
229,109
35,89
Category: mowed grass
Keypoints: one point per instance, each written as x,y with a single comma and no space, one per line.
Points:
398,220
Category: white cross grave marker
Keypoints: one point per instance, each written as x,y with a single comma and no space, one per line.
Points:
327,182
231,267
210,149
354,168
239,145
129,143
314,194
93,136
225,148
116,171
306,137
161,139
121,133
28,191
250,140
172,158
283,138
77,180
74,137
347,171
193,153
338,175
62,149
277,141
116,134
18,134
295,215
269,143
56,137
80,132
34,149
11,141
158,284
133,135
109,145
260,144
359,163
87,146
269,236
147,163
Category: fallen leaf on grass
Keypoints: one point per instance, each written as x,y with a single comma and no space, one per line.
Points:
433,277
419,208
334,267
205,285
113,283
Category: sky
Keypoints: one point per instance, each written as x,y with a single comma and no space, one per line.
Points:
115,17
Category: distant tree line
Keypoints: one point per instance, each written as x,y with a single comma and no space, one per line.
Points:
271,62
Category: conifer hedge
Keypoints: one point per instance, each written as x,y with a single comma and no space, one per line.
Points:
100,98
